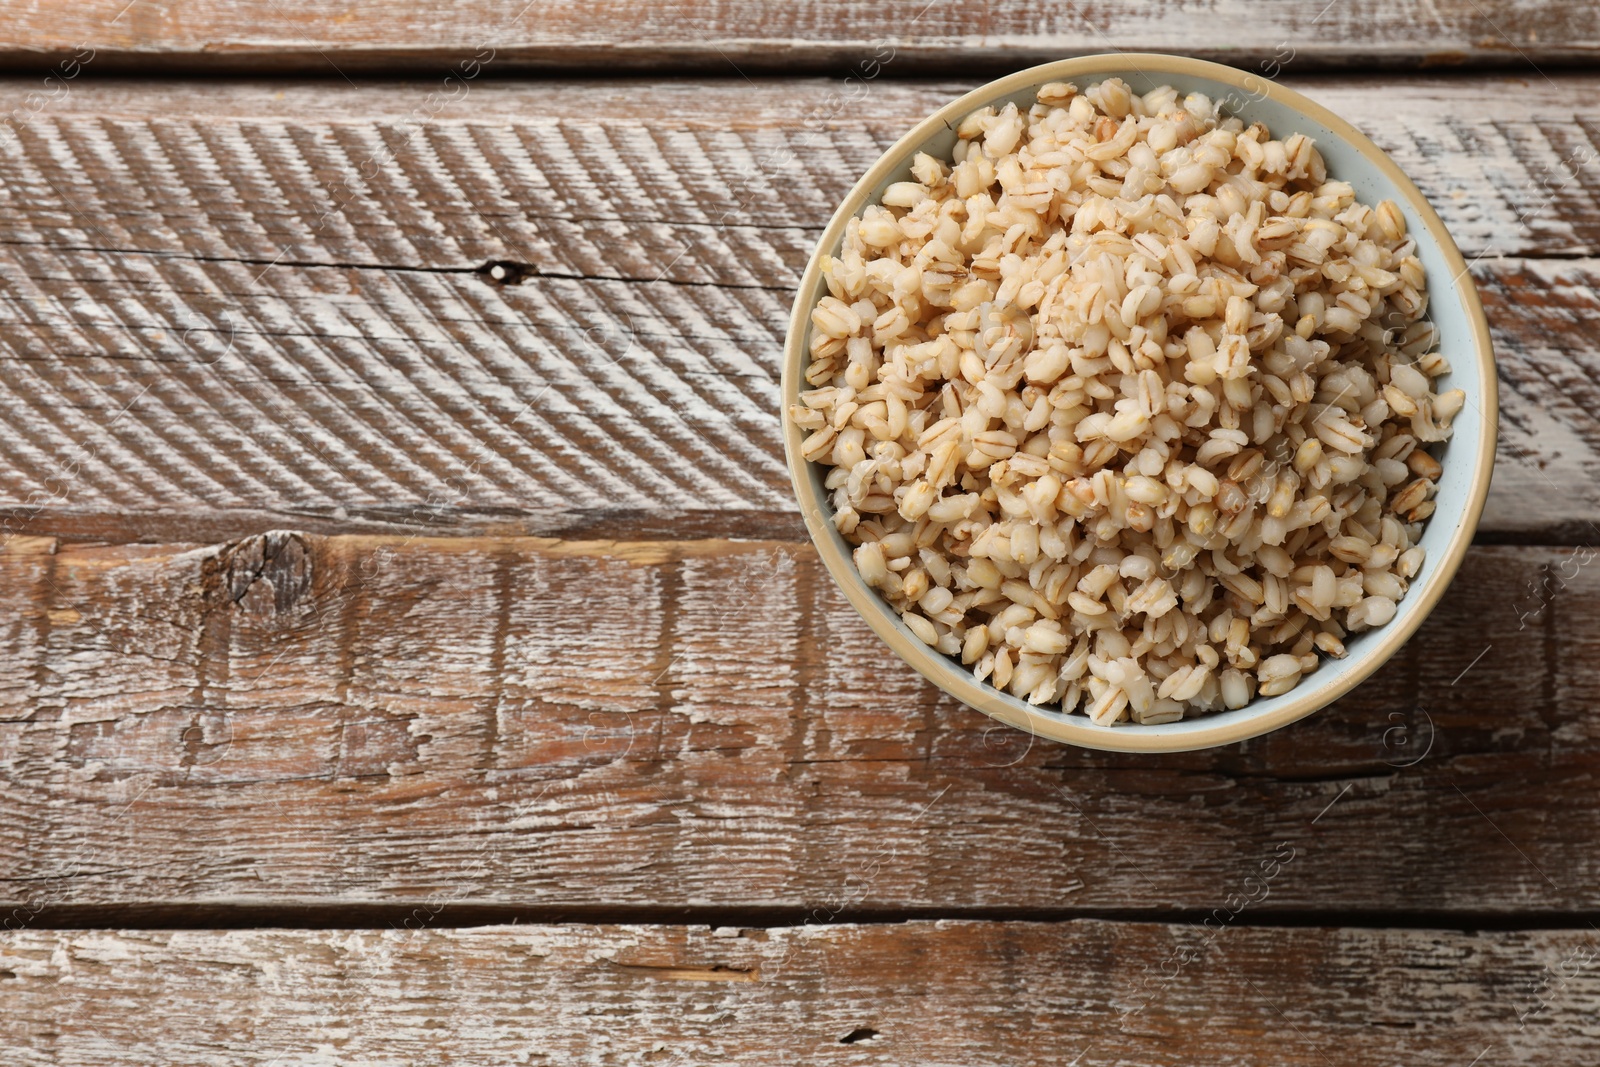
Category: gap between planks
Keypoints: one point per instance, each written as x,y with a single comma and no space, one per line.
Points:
318,914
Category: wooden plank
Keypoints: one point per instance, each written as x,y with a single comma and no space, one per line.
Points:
563,175
280,341
755,35
974,994
552,728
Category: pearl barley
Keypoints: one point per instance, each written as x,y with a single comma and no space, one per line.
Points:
1126,405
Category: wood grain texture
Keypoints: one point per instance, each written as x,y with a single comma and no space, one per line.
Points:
757,35
157,398
949,993
551,728
410,174
228,308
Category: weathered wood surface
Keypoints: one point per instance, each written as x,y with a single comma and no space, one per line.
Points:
160,398
652,729
953,993
405,174
756,35
224,308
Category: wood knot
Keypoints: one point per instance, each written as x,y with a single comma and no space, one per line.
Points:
269,573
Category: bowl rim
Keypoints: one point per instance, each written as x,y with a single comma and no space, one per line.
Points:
956,680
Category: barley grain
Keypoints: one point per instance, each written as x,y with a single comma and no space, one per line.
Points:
1125,404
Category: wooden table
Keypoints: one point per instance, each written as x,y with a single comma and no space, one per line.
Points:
408,661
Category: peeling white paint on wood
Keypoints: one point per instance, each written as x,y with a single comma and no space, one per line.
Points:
160,244
512,723
945,993
433,36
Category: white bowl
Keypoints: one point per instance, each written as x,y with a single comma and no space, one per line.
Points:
1468,458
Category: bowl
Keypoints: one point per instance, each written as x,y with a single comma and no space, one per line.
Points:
1468,457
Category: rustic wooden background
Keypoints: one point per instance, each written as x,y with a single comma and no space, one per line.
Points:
405,664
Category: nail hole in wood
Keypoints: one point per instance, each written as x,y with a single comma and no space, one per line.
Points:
505,272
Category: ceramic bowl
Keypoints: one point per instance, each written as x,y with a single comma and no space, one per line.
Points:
1468,458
